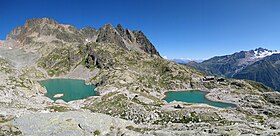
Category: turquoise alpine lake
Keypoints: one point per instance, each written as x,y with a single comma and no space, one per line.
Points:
194,96
71,89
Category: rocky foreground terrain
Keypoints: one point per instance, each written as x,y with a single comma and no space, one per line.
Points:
131,79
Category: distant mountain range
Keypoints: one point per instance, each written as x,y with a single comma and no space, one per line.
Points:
260,65
186,60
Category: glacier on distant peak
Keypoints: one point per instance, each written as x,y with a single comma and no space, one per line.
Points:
264,53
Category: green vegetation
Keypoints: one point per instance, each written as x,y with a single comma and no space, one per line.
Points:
62,59
83,62
261,87
260,119
137,129
181,116
58,108
105,97
10,130
32,72
4,119
96,132
20,82
5,66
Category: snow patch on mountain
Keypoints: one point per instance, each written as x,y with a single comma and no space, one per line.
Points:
264,53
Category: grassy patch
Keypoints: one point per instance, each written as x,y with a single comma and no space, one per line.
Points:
261,87
4,119
137,129
96,132
58,108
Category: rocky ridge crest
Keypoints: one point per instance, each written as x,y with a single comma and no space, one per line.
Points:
48,30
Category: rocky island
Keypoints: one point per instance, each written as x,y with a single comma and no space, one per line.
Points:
131,79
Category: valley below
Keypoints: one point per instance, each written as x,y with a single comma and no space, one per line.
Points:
131,80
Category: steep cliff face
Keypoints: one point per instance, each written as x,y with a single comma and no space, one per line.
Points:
146,45
97,59
108,34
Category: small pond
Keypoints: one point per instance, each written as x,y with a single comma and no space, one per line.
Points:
194,96
68,89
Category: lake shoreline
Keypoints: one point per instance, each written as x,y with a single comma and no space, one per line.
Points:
73,89
205,96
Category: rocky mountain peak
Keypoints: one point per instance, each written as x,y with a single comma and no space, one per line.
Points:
144,43
260,49
39,21
262,52
88,29
120,29
14,33
89,33
126,34
108,34
47,30
107,27
130,35
125,38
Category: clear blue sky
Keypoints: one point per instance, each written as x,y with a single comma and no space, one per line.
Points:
178,28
